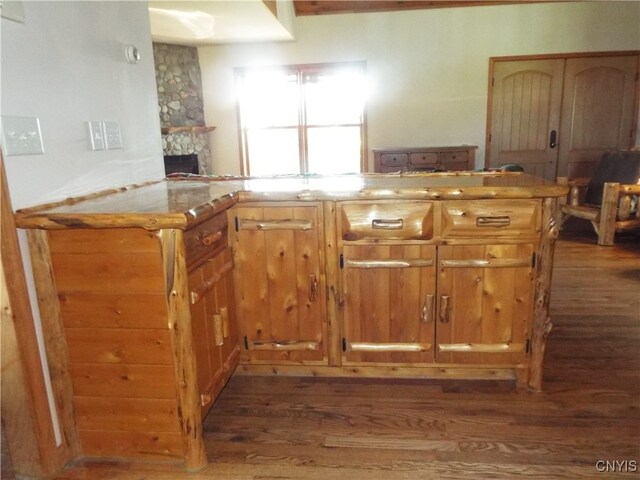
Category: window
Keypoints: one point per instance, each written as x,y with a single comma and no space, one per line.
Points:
302,119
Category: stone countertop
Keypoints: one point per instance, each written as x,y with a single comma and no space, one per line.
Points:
186,201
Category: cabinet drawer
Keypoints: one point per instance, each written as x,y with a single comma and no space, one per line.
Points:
490,218
386,221
425,158
455,161
205,239
394,159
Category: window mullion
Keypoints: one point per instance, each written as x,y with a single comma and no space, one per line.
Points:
302,128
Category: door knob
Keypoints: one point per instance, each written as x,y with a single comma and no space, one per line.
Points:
553,139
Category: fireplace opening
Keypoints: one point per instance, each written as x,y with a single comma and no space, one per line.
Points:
181,164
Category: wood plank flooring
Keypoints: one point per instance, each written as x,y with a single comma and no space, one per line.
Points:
295,428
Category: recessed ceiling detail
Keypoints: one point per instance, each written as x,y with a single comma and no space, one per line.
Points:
218,22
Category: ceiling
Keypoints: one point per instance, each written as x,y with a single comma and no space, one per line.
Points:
236,21
220,21
323,7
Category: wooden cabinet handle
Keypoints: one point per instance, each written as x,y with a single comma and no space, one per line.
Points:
427,309
380,223
502,221
218,330
445,308
224,313
209,238
313,287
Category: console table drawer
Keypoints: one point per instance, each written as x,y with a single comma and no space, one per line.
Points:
427,158
490,219
386,221
394,159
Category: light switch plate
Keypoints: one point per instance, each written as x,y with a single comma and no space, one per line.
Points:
22,135
96,135
112,135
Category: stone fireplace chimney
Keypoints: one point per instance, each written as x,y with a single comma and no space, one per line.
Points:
180,103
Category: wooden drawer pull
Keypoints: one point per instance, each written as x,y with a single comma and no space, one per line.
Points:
284,224
427,309
408,263
218,329
445,308
382,224
224,313
503,221
209,238
200,291
389,347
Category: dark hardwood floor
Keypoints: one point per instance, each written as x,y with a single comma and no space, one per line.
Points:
297,428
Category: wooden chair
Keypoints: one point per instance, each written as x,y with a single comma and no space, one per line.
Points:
610,200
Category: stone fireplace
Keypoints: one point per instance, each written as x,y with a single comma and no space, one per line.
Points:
180,105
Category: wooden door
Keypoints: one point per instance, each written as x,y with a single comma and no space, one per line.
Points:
388,303
526,100
597,111
224,305
207,353
280,282
485,295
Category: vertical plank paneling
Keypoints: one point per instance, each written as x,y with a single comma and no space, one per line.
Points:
282,280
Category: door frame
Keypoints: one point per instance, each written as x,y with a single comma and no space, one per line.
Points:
565,56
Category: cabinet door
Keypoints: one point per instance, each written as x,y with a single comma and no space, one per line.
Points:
221,302
388,303
280,283
485,296
207,353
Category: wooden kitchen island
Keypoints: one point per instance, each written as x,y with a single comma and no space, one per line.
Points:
152,295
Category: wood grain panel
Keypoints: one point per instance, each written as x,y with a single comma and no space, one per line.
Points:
136,381
126,414
154,446
108,345
113,310
85,240
107,272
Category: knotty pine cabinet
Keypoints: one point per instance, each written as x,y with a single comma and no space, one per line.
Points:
388,307
442,283
280,282
424,276
215,332
146,334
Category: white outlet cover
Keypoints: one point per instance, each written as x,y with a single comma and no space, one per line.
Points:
21,135
112,135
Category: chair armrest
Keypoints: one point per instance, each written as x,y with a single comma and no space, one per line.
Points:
630,189
575,184
578,182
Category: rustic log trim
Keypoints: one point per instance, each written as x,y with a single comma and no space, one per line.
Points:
189,408
541,321
54,338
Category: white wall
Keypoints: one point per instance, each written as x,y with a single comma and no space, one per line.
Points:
66,65
428,68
